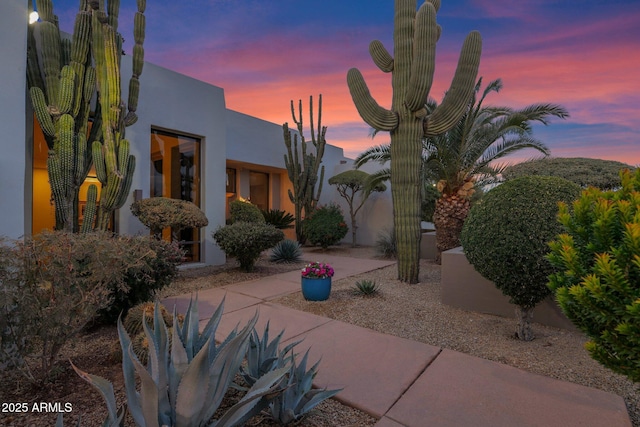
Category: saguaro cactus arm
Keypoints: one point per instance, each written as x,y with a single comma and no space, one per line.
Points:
454,104
374,115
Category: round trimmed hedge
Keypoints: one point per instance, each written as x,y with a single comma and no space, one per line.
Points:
506,235
602,174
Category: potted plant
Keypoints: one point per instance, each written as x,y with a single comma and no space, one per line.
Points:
316,281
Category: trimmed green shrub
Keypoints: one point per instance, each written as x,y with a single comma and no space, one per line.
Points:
245,241
505,238
598,282
52,286
278,218
603,174
158,267
245,211
158,213
286,251
325,226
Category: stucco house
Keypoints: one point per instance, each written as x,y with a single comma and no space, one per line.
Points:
187,144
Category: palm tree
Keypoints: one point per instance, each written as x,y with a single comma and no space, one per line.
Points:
462,159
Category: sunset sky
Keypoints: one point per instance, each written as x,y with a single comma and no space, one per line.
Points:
583,54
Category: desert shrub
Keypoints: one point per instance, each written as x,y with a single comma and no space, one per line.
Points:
245,211
603,174
325,226
159,213
278,218
246,240
598,280
505,238
286,251
386,243
53,285
157,268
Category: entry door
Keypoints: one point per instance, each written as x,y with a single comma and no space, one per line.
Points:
175,173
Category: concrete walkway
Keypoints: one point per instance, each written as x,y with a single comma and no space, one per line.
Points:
403,382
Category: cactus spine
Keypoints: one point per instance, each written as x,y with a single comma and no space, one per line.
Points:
412,67
64,76
304,175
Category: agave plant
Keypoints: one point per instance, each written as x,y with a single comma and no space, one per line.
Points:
185,381
264,356
278,218
298,397
366,287
286,251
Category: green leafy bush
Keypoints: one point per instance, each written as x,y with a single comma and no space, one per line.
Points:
158,213
505,238
52,286
157,268
286,251
325,226
245,211
246,240
598,280
278,218
603,174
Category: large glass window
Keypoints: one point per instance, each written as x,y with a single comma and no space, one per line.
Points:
259,189
43,215
175,173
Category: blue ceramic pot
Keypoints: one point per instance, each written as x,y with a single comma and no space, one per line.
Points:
314,289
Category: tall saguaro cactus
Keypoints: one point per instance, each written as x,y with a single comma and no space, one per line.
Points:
64,77
303,171
412,67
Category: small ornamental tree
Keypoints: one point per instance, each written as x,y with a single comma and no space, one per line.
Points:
348,184
506,235
158,213
598,282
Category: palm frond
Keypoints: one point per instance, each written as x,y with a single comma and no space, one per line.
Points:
378,153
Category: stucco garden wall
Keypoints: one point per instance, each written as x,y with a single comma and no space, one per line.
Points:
463,287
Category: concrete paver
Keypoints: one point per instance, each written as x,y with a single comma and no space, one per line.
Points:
462,390
210,299
267,288
373,369
295,323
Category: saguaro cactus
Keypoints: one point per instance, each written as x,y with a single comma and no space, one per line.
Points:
64,76
412,67
304,175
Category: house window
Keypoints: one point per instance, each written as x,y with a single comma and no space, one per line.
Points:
231,182
259,189
43,215
175,173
